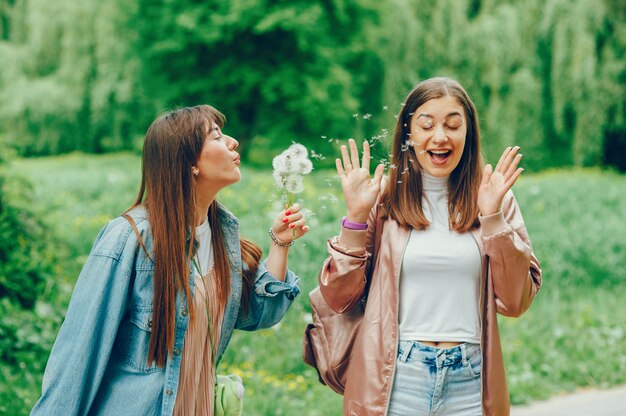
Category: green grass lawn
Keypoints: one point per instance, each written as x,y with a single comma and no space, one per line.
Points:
572,336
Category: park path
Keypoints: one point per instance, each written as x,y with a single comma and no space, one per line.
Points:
610,402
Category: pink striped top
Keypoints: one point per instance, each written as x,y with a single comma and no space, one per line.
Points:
197,372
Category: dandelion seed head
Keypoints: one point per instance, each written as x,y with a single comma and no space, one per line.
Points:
279,163
293,184
297,151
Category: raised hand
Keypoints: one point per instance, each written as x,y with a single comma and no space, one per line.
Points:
496,182
359,191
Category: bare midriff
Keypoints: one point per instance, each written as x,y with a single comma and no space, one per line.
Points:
442,345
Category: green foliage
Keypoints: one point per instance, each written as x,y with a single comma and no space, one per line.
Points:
572,335
27,264
90,76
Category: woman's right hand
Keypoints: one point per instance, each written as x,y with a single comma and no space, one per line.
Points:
360,192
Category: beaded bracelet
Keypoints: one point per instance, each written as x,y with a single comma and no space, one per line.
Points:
277,241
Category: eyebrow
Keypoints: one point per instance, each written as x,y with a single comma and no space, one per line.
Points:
454,113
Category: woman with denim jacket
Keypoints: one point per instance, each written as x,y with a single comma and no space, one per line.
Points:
138,335
451,251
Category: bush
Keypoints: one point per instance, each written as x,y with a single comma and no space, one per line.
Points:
26,264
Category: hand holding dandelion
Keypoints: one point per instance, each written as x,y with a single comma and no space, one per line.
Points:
289,169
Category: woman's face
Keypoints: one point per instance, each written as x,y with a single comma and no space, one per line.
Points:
218,163
438,131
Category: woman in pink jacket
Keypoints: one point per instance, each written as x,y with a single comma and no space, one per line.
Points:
437,248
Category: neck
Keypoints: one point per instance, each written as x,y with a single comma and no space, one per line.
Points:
203,201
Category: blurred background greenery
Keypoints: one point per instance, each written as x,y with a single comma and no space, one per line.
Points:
81,81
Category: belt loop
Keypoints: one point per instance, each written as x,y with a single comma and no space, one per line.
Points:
464,354
406,350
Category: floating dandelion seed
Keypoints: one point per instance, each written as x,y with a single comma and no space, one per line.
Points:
385,108
367,116
317,156
323,137
355,115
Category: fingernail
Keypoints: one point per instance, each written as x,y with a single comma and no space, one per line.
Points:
287,212
285,220
291,225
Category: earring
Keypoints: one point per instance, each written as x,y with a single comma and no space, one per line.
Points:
195,171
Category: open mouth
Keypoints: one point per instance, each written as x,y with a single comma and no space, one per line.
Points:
439,156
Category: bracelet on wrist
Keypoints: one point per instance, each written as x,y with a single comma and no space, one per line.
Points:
350,225
277,241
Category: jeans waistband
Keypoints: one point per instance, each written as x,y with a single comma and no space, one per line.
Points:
416,351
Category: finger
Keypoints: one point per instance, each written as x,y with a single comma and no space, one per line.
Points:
487,171
302,230
378,174
366,156
506,164
502,158
339,167
354,154
298,224
512,167
294,208
509,183
293,217
347,165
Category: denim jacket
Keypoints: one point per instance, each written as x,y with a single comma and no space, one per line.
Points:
98,364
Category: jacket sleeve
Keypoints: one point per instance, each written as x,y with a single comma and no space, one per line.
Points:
513,267
269,300
82,348
344,274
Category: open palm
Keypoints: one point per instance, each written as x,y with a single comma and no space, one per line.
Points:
496,182
359,191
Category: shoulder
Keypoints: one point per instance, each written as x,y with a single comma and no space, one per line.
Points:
118,235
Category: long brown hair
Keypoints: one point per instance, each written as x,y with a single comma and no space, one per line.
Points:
402,200
172,146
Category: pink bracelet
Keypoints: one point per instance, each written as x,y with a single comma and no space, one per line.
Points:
345,223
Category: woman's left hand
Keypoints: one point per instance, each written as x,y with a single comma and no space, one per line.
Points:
290,224
496,182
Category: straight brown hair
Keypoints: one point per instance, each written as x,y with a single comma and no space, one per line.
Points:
172,146
402,199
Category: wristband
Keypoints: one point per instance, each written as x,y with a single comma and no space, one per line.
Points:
360,226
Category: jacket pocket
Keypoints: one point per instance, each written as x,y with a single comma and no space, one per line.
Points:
134,340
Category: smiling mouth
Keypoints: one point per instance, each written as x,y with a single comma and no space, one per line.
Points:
439,157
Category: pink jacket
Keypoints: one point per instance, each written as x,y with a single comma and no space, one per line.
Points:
511,276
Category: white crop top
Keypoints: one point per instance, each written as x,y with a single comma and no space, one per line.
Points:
440,276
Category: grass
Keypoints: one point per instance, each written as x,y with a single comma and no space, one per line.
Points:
572,336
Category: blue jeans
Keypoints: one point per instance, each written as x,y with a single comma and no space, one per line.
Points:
433,381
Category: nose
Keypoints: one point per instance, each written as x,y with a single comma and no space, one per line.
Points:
233,144
439,136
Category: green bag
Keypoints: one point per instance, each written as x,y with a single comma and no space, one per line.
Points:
229,393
